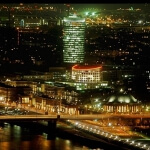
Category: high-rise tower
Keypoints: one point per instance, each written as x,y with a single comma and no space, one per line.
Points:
73,39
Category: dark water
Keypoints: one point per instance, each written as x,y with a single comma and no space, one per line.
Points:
14,137
32,136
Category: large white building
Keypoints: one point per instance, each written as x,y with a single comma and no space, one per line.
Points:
86,74
73,39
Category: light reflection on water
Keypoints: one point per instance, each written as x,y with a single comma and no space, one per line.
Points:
16,138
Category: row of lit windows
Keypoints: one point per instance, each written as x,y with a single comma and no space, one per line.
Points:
73,60
88,81
70,24
67,43
68,47
69,56
74,55
67,35
86,72
68,53
78,42
74,44
76,52
67,59
91,78
73,30
75,33
85,78
79,46
74,40
70,31
93,75
79,26
73,51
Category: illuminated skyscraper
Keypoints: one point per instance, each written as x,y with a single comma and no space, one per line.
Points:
73,39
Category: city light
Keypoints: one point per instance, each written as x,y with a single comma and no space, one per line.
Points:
83,66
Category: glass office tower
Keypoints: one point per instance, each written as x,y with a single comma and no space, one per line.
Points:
73,39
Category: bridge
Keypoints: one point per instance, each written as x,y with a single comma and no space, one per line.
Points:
72,117
52,119
105,119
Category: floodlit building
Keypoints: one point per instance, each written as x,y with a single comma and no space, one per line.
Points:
73,39
122,103
86,74
86,77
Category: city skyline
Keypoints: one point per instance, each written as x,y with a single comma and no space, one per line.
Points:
89,62
34,39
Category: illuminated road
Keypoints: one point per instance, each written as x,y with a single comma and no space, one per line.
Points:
116,135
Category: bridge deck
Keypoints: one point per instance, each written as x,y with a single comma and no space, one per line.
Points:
70,117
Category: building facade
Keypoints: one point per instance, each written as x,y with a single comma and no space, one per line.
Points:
86,74
73,39
122,103
86,77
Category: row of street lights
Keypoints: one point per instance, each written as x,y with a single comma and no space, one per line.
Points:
85,127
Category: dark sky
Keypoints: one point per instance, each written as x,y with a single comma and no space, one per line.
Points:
110,5
76,4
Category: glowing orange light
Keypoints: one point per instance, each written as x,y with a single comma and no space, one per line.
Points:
76,67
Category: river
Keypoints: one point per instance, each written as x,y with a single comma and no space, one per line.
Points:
14,137
25,136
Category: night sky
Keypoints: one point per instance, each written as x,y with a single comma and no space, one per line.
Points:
110,5
81,4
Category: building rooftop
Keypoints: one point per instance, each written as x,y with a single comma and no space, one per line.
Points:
123,98
86,67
